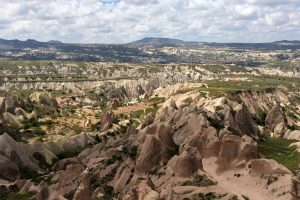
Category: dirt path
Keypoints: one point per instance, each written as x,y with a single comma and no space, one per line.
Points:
243,185
131,108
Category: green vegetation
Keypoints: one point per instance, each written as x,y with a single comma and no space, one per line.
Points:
121,131
41,160
271,179
265,83
199,181
213,68
294,99
18,196
234,197
32,122
206,196
28,174
157,100
291,112
105,197
279,150
259,117
130,151
113,159
245,197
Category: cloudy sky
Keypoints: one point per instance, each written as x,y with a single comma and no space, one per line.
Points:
121,21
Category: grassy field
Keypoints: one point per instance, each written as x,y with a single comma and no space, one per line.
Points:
266,83
279,150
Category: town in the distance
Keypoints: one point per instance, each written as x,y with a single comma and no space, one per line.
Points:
153,119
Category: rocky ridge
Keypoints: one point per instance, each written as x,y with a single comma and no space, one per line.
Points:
194,146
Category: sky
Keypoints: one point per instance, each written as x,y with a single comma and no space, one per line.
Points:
122,21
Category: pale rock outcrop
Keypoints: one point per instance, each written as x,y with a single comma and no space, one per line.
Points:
142,191
83,191
107,121
182,100
267,167
17,153
145,192
244,121
42,191
43,98
62,164
157,144
236,152
71,179
22,114
275,121
11,120
187,163
293,135
150,153
8,104
123,175
175,88
2,107
131,130
148,120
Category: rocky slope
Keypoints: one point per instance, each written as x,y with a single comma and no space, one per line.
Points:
195,147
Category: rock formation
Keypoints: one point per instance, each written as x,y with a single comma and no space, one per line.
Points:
276,121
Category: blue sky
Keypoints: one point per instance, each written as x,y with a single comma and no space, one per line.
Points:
121,21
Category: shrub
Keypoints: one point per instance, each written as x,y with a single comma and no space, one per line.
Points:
199,181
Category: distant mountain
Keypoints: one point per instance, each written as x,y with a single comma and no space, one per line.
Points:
154,41
55,42
132,52
287,42
30,43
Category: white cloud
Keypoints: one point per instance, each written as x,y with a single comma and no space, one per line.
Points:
115,21
278,18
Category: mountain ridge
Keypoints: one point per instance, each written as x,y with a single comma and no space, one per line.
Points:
144,41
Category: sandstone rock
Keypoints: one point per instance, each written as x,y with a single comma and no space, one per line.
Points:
107,121
20,113
42,191
83,191
98,193
164,134
279,130
157,146
148,93
267,167
8,104
43,98
244,121
207,142
71,179
294,135
229,121
123,175
62,164
11,120
131,130
236,151
17,153
114,103
187,163
145,192
148,120
2,107
275,120
150,153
